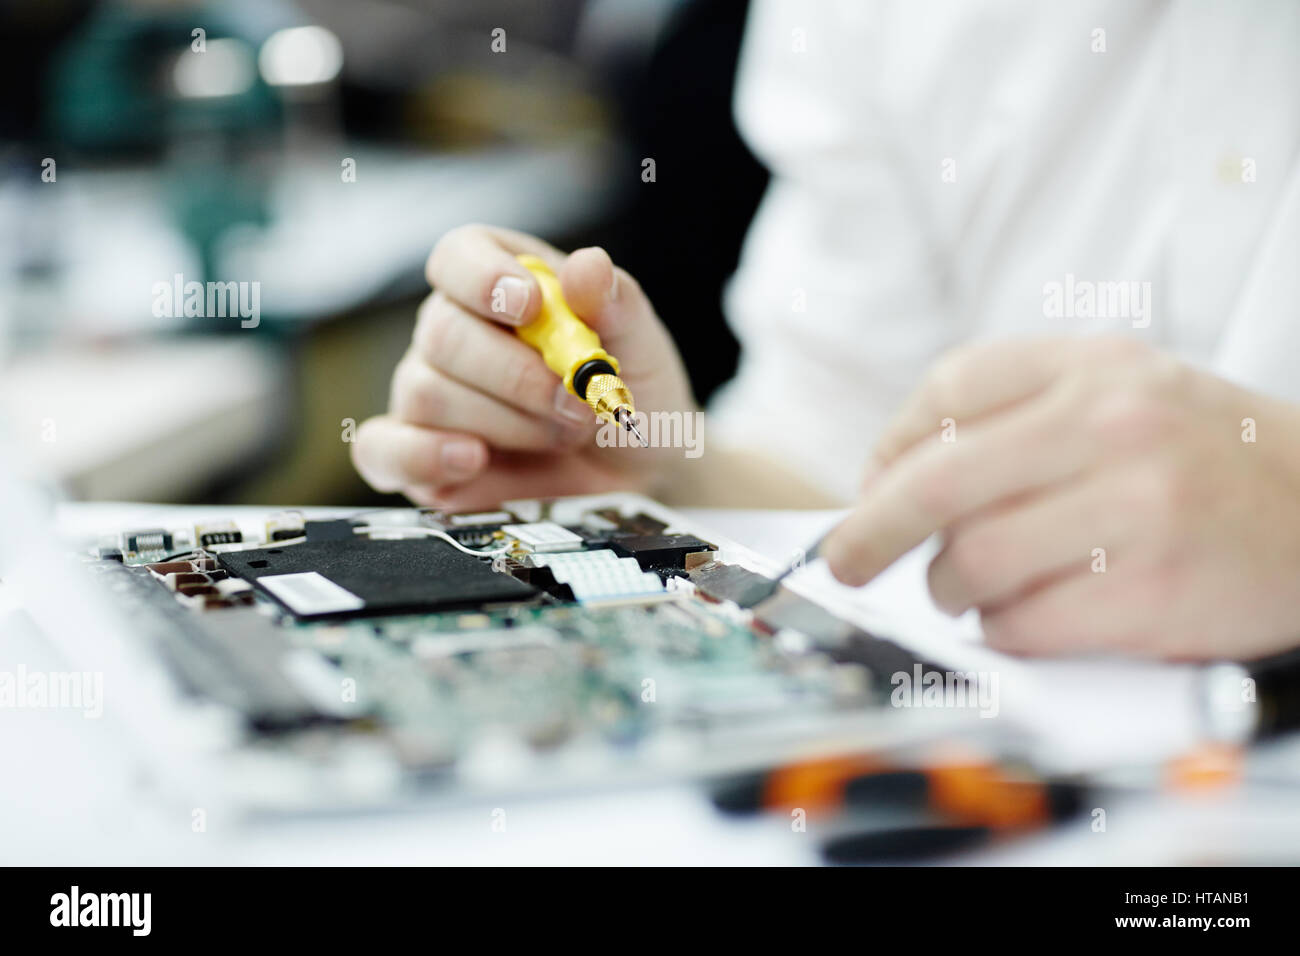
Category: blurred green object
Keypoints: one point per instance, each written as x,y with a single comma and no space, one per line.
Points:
130,84
112,85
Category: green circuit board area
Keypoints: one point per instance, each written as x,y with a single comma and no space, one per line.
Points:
443,637
548,675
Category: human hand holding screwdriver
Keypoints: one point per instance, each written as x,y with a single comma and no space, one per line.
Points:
475,417
1069,450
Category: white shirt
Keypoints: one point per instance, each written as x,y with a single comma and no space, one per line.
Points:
949,171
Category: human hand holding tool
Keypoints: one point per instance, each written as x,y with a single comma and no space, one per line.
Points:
573,351
1098,497
476,416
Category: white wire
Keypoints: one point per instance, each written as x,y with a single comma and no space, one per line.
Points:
431,533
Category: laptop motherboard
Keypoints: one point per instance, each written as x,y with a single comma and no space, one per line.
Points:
499,643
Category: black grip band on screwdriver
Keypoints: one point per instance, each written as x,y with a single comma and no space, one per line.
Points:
582,377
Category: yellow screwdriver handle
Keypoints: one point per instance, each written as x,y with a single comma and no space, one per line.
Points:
563,339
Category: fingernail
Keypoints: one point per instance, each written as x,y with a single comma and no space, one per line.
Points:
460,459
612,294
510,298
840,569
570,407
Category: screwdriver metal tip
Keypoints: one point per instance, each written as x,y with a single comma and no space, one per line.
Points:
636,432
805,558
624,418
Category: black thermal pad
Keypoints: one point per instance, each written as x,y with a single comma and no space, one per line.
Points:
658,552
332,529
390,576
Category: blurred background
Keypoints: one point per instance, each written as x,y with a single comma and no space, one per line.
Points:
319,149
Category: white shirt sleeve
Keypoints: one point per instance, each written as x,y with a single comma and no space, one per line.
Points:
939,167
837,301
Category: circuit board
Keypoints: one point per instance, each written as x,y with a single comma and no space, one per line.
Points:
445,636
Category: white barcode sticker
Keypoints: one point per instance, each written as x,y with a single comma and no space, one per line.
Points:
310,592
